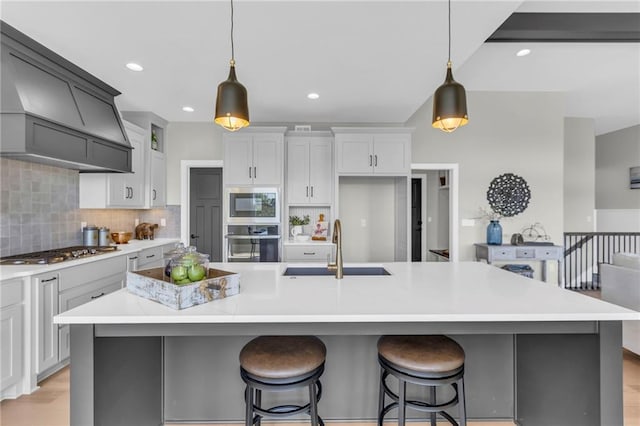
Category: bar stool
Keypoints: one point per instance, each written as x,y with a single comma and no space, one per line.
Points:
432,361
278,364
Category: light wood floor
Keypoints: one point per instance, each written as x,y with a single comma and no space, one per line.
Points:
49,406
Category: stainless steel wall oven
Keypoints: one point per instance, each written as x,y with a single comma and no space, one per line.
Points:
253,243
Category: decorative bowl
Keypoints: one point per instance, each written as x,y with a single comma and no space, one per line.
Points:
121,237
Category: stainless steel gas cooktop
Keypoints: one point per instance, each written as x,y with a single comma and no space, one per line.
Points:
56,255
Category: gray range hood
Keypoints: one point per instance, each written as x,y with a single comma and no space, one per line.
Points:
53,112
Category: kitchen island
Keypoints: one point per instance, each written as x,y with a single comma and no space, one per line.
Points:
535,353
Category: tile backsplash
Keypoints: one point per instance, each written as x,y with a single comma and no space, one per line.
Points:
39,210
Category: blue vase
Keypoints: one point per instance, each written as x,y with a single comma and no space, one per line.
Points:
494,233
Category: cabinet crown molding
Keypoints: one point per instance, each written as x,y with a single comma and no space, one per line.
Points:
370,130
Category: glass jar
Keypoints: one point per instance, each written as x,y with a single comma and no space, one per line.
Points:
190,267
494,233
177,252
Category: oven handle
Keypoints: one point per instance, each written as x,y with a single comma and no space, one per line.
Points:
252,237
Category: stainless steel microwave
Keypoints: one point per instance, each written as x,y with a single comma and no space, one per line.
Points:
253,205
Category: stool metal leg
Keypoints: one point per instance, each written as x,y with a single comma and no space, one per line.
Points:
381,396
258,402
402,397
433,401
248,398
313,404
461,402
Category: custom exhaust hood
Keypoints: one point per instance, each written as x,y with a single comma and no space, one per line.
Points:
53,112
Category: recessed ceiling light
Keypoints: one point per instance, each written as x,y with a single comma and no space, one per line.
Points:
313,96
523,52
134,67
187,109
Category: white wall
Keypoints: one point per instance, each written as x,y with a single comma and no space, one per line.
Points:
189,141
616,152
521,133
370,200
579,175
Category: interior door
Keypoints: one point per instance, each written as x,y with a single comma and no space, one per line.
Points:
416,220
205,207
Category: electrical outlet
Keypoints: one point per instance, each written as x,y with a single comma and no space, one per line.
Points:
136,222
363,223
163,222
83,225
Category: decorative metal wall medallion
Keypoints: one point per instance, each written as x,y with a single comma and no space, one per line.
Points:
508,194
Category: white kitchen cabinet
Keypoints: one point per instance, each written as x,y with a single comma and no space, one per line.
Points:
46,290
254,157
150,258
158,193
11,335
372,151
118,190
312,252
65,289
309,170
78,296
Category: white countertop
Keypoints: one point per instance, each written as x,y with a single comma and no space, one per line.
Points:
10,271
415,292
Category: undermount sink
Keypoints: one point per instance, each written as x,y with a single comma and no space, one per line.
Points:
322,270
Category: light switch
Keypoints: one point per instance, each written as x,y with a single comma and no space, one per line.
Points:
163,222
363,223
83,225
136,222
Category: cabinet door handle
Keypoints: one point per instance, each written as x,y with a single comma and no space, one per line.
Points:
370,160
49,280
307,191
132,192
312,192
154,194
99,295
249,172
309,253
376,162
150,256
255,172
133,258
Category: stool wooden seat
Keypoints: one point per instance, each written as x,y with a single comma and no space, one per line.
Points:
282,363
431,361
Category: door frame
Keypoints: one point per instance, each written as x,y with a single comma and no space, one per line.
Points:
185,184
453,169
423,211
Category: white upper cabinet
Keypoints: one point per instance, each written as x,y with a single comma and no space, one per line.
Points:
309,170
254,157
158,193
146,186
118,190
362,151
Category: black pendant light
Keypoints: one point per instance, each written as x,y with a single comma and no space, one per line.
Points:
232,108
450,99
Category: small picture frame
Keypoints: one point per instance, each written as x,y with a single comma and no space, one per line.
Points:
320,231
634,177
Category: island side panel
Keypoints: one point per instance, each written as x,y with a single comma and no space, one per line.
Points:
115,381
570,379
82,384
128,377
611,395
202,381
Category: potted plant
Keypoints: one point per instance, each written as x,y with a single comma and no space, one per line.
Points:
296,223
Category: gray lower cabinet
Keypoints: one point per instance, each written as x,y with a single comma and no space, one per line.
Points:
46,290
59,291
11,336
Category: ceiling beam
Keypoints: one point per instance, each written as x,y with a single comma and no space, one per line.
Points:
569,28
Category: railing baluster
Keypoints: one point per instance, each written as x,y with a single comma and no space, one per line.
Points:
585,251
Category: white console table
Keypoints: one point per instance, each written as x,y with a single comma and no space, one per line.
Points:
508,253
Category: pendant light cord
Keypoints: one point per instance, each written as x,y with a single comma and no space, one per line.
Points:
233,60
449,57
